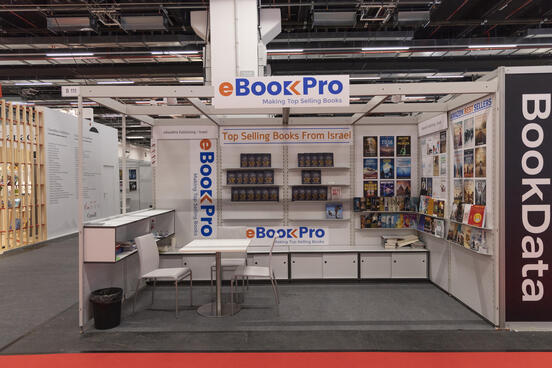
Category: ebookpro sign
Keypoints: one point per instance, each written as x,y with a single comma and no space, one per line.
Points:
289,91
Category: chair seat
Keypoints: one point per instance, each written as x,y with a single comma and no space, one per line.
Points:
230,262
253,271
164,274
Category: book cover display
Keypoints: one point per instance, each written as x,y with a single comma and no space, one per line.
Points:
249,177
255,160
309,193
388,221
314,159
387,188
469,211
370,146
403,168
334,211
255,194
387,146
386,204
387,168
370,169
403,146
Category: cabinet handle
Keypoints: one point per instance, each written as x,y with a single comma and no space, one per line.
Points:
292,261
395,261
362,261
354,261
256,262
325,261
423,260
285,262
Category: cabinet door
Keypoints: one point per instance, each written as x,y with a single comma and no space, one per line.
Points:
279,264
306,266
200,265
340,266
375,266
409,266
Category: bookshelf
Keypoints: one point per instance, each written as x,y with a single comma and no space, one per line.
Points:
22,177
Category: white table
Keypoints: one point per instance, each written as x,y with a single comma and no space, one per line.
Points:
217,309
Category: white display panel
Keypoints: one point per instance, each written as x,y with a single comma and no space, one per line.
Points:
100,172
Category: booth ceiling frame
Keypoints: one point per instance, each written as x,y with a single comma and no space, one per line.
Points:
108,95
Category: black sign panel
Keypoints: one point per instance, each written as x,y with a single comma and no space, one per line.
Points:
528,129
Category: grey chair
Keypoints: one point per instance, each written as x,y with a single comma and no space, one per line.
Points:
256,272
150,271
230,261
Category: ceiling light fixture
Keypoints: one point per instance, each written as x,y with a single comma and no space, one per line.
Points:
183,52
34,84
396,48
135,137
116,82
364,78
191,80
71,54
285,50
444,76
491,46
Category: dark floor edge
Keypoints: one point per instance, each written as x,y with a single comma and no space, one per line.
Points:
467,306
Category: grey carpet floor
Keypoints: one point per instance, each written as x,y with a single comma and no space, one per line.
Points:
36,284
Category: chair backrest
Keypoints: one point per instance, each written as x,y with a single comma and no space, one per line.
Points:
232,232
148,253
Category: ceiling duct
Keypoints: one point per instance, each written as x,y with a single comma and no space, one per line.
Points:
539,33
143,23
334,19
413,16
69,24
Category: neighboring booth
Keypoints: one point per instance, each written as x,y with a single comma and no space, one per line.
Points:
139,191
257,173
38,174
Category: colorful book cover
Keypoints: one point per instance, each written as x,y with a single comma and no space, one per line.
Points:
443,165
480,129
331,211
370,170
403,188
436,166
458,190
468,163
403,146
403,168
458,164
387,188
429,182
339,211
429,226
421,223
370,146
481,192
480,162
466,230
443,140
430,206
467,209
441,208
424,204
387,146
469,191
439,228
370,188
469,135
356,204
423,187
477,215
387,168
458,139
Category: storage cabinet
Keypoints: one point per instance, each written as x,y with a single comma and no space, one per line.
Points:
409,265
340,265
375,265
306,266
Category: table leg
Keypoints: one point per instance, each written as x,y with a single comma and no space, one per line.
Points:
218,309
219,285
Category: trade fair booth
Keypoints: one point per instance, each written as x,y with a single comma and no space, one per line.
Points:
345,196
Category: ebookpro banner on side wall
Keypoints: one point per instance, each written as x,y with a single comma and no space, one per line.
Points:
528,248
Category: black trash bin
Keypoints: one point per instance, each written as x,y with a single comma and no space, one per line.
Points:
106,305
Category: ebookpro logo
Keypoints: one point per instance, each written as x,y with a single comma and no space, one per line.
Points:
301,232
292,87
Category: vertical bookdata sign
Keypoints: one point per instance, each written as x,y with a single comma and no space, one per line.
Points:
528,129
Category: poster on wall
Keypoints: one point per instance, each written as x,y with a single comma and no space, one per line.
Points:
528,169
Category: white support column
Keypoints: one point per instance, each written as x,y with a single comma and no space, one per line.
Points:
124,165
80,214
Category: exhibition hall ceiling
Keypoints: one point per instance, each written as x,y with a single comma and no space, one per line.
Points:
46,44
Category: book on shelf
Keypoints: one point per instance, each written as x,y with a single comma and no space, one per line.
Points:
477,215
335,192
334,211
407,240
439,228
430,206
466,217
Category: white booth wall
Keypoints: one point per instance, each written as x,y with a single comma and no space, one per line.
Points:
100,172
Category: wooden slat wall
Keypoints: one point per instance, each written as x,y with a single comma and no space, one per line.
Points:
23,202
